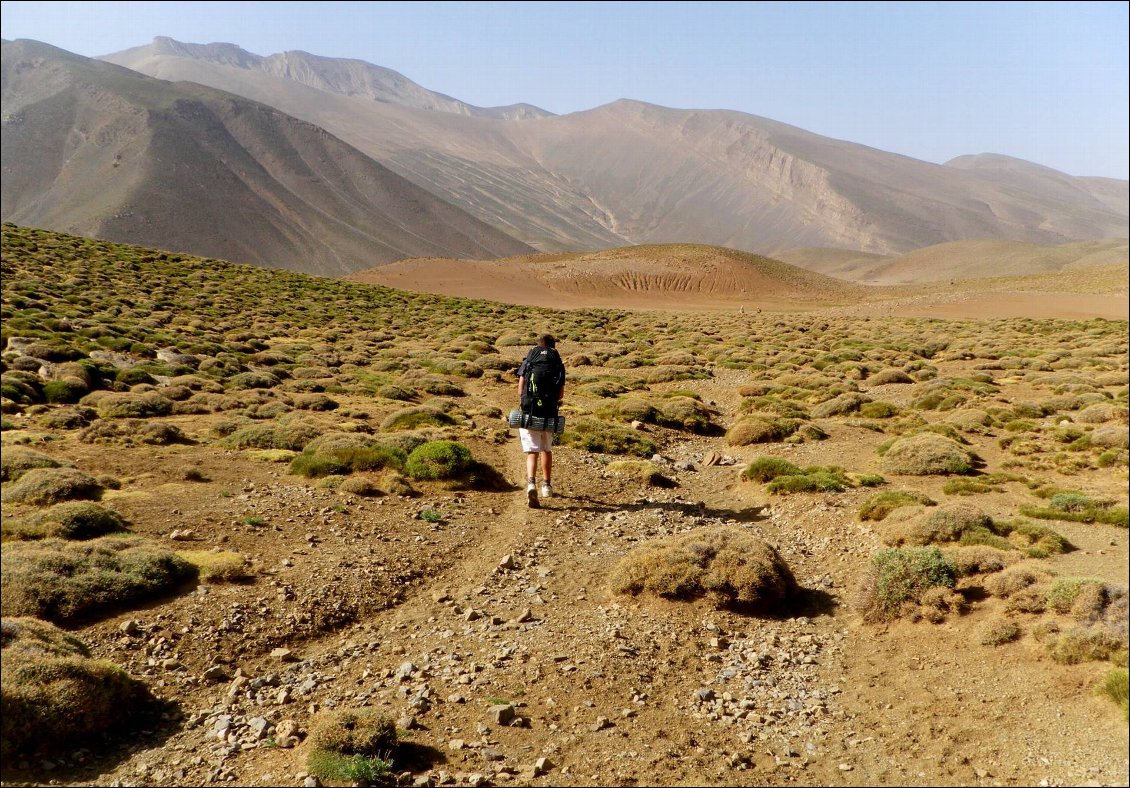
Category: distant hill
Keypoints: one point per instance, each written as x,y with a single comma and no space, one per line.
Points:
99,150
649,276
635,173
343,76
962,260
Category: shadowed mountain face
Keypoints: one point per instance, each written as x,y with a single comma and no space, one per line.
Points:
635,173
99,150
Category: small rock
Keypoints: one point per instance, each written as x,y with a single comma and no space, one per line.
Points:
600,724
216,673
455,745
311,782
502,713
507,562
283,655
130,628
845,767
408,723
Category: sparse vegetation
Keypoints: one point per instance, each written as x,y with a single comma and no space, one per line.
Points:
902,581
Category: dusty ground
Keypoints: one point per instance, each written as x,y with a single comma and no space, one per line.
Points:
429,621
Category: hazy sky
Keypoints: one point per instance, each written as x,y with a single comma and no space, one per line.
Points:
1047,82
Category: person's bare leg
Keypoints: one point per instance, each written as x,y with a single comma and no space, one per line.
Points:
531,472
547,466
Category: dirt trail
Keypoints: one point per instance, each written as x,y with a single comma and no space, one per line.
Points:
499,603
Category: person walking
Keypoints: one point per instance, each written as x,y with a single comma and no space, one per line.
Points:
541,389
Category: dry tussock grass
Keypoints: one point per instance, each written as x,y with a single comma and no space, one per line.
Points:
55,697
725,565
44,486
62,581
927,454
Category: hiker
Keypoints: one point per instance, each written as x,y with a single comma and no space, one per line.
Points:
541,387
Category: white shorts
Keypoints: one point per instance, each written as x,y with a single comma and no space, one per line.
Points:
536,440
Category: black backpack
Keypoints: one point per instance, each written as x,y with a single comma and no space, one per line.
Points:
543,370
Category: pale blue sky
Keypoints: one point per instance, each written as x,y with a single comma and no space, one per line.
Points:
1047,82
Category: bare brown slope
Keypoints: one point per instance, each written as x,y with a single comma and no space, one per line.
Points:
975,260
98,150
668,276
635,173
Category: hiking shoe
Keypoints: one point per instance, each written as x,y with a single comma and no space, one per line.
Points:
546,490
532,495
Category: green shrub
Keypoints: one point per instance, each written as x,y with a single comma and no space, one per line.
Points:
352,769
41,486
879,505
438,460
63,581
878,410
724,564
600,436
899,578
766,469
115,405
70,520
65,390
15,461
315,466
56,699
1076,507
415,418
811,479
1115,685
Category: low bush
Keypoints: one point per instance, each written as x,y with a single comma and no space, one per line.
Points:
760,429
927,454
848,402
898,580
814,478
351,745
1115,685
766,469
879,505
1078,644
1077,507
127,405
726,565
217,566
998,632
981,559
64,581
600,436
56,699
69,520
15,461
438,460
642,470
887,376
415,418
42,486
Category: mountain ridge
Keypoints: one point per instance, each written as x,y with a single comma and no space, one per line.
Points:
96,149
632,172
